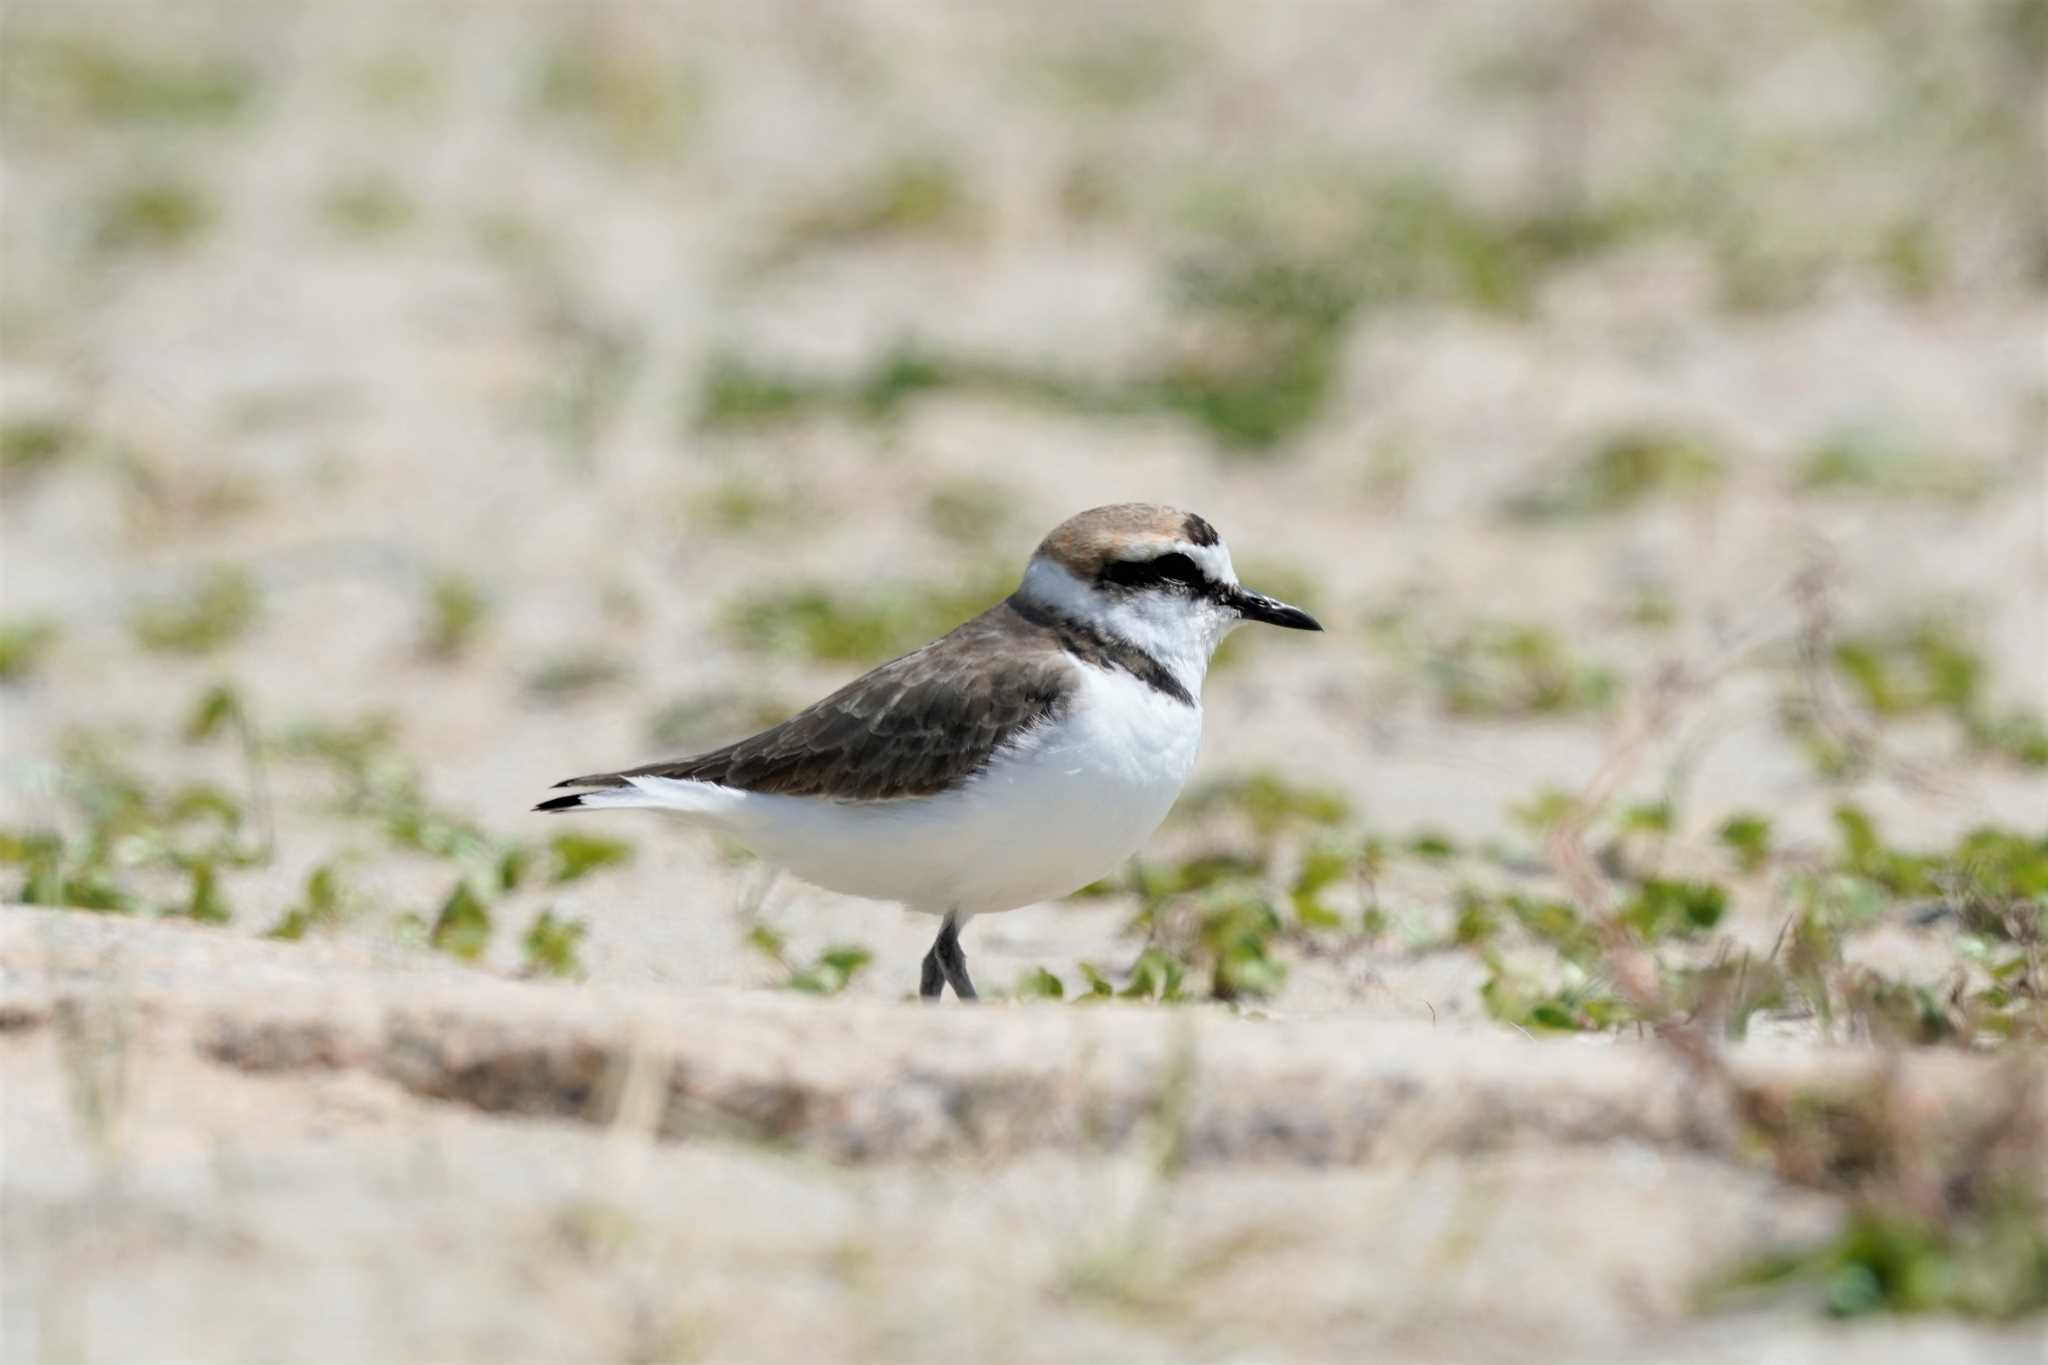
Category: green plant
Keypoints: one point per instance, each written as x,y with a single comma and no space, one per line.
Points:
456,611
401,83
1270,803
1662,909
1991,1262
969,512
550,945
828,625
368,206
569,677
215,614
1862,464
737,392
157,212
619,93
134,841
1926,665
911,195
1623,470
462,926
1235,937
746,505
85,74
1039,984
1748,836
322,906
1577,1005
1501,669
31,445
575,855
1111,72
1260,358
23,646
204,902
832,972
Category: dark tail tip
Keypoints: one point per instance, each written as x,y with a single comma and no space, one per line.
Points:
561,803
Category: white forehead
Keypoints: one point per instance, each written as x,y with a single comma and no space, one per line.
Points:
1214,559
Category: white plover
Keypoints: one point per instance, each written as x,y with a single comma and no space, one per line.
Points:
1012,761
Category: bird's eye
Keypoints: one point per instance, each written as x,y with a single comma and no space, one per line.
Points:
1152,573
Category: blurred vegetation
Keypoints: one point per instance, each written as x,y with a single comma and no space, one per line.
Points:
831,625
1867,464
154,211
220,610
59,75
23,646
1493,670
1912,668
1990,1264
119,841
33,445
572,676
368,206
915,195
1624,470
830,973
456,613
1111,72
632,101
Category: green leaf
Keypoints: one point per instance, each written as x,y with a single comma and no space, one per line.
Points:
512,867
577,855
216,707
23,644
1673,909
463,926
218,612
291,928
320,908
833,971
1040,984
456,612
204,902
551,944
1748,836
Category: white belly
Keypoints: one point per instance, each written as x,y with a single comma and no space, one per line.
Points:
1059,811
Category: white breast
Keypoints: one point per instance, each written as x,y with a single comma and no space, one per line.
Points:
1058,810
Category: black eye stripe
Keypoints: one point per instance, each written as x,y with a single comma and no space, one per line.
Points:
1152,573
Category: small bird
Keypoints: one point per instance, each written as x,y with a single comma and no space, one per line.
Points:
1012,761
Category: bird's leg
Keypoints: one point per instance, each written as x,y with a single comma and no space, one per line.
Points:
932,980
952,960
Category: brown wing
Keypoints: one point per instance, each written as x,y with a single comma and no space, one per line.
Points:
914,726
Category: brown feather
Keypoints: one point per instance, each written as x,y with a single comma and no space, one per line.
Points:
912,727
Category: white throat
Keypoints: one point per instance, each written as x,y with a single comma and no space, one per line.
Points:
1181,633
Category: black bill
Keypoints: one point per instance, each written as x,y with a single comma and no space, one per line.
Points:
1256,606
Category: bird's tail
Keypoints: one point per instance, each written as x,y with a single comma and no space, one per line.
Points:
622,791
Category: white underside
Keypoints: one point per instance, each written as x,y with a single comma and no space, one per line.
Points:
1049,815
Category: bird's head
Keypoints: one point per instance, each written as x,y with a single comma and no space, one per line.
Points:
1155,577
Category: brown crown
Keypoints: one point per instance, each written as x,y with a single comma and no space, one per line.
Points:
1083,544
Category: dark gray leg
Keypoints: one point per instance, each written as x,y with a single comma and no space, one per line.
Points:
952,960
933,979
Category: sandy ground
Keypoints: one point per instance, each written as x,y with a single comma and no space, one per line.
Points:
694,1176
349,413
